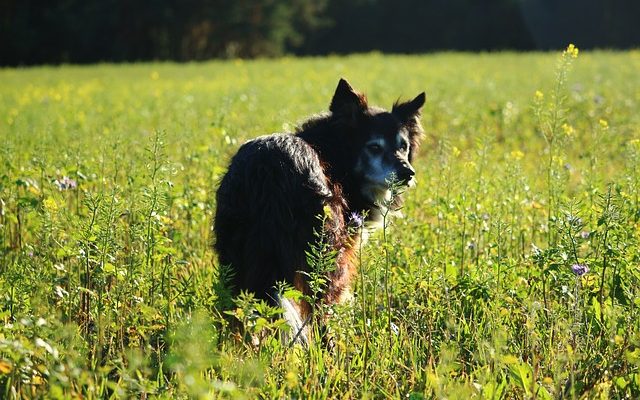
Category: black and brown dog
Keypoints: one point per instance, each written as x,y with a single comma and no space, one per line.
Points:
276,186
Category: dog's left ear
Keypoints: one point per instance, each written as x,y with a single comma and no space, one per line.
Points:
409,115
410,109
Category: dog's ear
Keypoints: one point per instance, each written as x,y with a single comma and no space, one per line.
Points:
410,109
346,101
409,115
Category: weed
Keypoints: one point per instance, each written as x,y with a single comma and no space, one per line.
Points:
513,273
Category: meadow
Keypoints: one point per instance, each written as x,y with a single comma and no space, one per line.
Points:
513,273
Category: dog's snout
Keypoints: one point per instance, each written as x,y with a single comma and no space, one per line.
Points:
405,172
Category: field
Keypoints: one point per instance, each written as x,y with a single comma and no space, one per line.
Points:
512,274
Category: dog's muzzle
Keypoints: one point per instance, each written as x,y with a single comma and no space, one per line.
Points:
405,173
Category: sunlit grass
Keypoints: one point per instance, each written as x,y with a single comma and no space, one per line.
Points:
109,286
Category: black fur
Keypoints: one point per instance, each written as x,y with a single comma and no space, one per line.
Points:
276,186
268,203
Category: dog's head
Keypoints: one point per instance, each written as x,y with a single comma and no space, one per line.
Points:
386,142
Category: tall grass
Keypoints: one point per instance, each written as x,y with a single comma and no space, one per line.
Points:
529,172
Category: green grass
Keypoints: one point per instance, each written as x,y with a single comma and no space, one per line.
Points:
111,289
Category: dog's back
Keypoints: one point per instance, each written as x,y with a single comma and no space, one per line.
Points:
268,207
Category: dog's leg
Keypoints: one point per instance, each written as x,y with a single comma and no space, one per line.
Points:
299,333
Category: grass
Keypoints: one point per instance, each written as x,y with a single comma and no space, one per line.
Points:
109,287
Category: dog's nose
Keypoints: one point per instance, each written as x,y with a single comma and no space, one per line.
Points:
405,173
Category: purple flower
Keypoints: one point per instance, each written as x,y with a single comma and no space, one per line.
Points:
584,234
356,220
580,269
66,183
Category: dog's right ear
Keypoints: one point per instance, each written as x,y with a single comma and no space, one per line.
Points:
347,101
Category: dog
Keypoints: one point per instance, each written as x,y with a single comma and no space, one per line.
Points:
337,164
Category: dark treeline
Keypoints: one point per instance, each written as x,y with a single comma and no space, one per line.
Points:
81,31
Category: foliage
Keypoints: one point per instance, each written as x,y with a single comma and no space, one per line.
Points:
109,286
83,31
122,30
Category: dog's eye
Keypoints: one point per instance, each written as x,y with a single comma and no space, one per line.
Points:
404,146
374,148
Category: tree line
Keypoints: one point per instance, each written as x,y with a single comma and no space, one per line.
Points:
83,31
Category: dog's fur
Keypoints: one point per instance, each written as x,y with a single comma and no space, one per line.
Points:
336,164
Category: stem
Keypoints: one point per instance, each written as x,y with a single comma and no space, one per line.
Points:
364,312
572,240
604,255
386,274
150,242
549,194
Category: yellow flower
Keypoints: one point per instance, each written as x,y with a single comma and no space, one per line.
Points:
572,51
50,205
517,155
34,190
5,367
291,379
539,95
327,211
568,129
455,151
604,124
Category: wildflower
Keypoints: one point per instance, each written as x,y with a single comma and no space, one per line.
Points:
572,51
60,292
574,220
579,269
326,210
50,205
394,328
517,155
584,234
568,129
603,124
356,220
66,183
539,95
